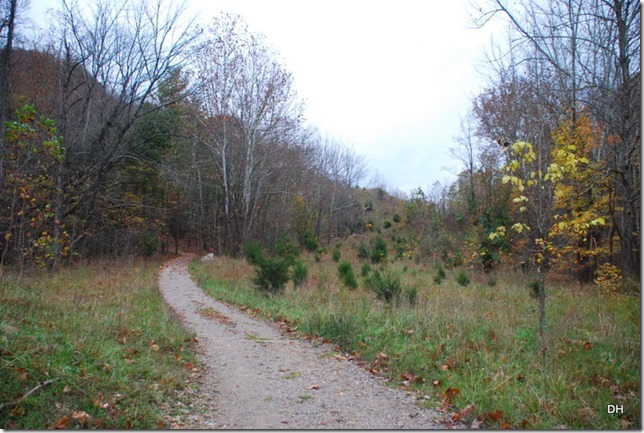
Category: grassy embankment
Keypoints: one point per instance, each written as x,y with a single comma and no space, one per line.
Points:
472,349
101,339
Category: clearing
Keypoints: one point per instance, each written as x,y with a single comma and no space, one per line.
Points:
259,377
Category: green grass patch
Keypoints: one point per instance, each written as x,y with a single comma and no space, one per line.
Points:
472,347
103,335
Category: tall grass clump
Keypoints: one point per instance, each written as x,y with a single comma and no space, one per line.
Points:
348,278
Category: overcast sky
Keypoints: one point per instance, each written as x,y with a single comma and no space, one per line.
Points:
390,78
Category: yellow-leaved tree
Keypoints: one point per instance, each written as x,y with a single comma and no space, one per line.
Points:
541,192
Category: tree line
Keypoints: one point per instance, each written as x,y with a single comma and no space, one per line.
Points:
128,129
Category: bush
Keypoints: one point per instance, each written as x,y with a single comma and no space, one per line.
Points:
253,253
379,252
462,278
299,272
335,255
397,218
440,275
387,224
286,250
271,273
488,260
387,286
148,243
535,286
345,270
309,243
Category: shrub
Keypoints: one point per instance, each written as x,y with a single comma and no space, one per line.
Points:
272,274
379,252
387,286
535,287
462,278
440,275
387,224
286,250
397,218
309,243
488,260
299,272
148,243
345,270
335,255
253,253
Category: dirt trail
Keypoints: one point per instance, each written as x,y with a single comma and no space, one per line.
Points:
258,378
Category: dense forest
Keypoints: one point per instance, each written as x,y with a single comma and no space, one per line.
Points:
127,129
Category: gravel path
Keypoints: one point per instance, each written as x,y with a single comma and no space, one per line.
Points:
259,378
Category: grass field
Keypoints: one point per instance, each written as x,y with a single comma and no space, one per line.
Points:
471,348
102,342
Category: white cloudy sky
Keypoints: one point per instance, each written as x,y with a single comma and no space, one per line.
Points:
392,78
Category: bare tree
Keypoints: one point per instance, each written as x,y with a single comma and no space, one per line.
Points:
251,109
112,58
466,152
8,11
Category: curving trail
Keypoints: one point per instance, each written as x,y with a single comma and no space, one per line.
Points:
258,378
